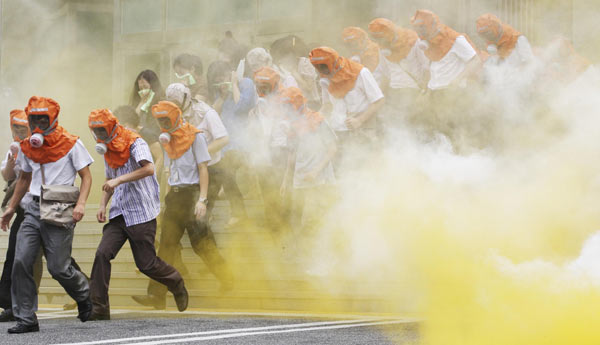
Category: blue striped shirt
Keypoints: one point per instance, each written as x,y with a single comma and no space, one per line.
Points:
137,201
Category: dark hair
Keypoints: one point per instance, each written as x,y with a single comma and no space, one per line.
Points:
216,70
155,85
127,116
233,49
291,44
189,61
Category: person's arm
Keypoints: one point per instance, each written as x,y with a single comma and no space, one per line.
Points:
217,145
471,69
101,215
289,169
20,190
235,88
146,169
246,100
201,205
84,192
358,120
8,173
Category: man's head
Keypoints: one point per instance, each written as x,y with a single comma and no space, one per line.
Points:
42,114
179,94
168,115
19,125
489,27
325,60
266,80
383,31
426,24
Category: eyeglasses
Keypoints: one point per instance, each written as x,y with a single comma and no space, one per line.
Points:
39,121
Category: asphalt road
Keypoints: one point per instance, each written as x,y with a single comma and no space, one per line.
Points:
193,327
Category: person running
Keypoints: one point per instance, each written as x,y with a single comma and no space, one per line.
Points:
51,156
186,158
131,183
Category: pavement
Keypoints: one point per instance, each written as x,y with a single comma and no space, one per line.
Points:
149,327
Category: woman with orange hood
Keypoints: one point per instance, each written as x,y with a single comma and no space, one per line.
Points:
405,67
454,59
351,99
132,185
51,156
10,172
186,158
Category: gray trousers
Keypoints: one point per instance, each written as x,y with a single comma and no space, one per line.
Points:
57,243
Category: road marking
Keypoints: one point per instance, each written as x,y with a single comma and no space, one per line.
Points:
234,330
229,313
245,334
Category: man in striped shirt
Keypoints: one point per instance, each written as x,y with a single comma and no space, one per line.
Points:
131,183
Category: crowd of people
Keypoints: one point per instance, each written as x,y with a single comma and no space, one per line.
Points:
298,117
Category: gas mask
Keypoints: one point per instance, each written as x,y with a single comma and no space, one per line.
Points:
165,123
40,126
385,52
492,49
102,138
423,45
187,79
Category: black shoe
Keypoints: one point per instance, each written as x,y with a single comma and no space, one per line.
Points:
7,316
181,298
85,309
157,302
99,317
23,328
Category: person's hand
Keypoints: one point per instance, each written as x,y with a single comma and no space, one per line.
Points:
101,215
110,185
78,212
200,210
6,217
234,78
353,122
12,160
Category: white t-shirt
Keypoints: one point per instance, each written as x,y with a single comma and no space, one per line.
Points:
407,73
366,91
61,172
513,71
286,77
184,170
311,149
444,72
204,117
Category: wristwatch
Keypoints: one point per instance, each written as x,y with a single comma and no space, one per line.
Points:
203,200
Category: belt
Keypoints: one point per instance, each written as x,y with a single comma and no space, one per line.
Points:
183,188
35,198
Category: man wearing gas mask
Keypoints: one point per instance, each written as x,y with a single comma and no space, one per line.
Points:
54,156
186,157
131,183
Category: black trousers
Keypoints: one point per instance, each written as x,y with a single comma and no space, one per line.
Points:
5,280
141,239
178,217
